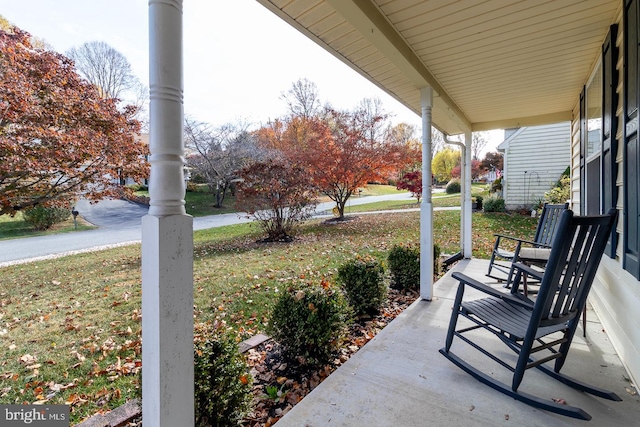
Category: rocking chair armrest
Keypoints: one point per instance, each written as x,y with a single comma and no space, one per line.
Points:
466,280
521,241
536,274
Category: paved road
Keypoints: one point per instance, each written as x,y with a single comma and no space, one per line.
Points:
119,224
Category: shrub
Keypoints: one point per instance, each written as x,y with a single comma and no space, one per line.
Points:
192,187
494,203
222,384
453,186
42,217
560,192
362,282
309,322
138,187
496,185
404,265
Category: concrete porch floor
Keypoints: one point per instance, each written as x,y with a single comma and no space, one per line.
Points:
400,379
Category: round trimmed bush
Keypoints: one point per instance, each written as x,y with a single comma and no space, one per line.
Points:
362,282
453,186
222,383
404,266
310,322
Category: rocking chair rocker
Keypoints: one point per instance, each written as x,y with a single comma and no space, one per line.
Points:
522,324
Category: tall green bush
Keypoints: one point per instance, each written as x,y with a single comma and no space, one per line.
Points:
404,266
222,383
43,217
362,280
310,322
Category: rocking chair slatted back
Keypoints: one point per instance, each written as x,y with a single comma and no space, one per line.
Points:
572,267
548,224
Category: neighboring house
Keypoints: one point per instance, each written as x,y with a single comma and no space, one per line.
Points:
534,159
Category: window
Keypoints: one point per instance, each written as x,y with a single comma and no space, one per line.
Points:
593,118
598,145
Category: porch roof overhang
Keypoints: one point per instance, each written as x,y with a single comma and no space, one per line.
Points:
491,63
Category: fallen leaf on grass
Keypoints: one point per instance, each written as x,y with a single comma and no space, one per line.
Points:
28,359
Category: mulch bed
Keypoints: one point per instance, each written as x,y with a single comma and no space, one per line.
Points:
278,383
288,381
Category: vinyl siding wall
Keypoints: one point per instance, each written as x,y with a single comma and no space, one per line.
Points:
534,160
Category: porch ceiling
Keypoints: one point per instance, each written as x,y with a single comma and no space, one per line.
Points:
492,63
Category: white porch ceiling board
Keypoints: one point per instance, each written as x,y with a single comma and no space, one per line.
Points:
296,9
552,32
499,57
490,61
341,36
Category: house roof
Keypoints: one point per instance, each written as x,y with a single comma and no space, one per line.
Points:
491,63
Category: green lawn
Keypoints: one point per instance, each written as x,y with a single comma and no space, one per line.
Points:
12,228
70,327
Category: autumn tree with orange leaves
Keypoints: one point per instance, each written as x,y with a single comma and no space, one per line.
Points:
58,138
337,150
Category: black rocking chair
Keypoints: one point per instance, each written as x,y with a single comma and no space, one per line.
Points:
522,324
535,252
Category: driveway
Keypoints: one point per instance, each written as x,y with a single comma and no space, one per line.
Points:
119,223
112,213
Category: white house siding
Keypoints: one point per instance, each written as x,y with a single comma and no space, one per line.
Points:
615,295
535,157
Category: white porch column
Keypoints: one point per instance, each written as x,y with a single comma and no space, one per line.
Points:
167,235
466,203
426,207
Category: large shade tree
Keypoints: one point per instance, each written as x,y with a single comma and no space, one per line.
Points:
112,74
58,138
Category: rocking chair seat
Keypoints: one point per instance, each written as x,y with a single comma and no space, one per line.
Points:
507,317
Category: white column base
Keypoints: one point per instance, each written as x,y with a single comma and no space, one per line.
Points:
426,251
167,321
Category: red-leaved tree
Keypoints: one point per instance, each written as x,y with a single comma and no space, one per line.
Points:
276,193
412,182
336,150
58,138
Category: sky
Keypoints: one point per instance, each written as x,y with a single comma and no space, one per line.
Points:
238,57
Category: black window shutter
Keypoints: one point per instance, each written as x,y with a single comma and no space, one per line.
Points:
609,130
631,212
